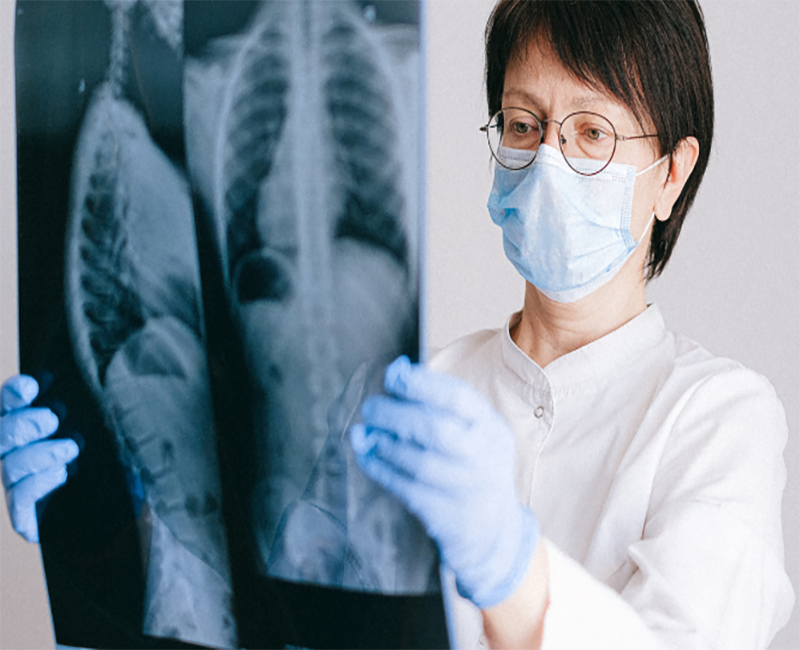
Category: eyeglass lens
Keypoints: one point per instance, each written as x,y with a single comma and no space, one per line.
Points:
587,140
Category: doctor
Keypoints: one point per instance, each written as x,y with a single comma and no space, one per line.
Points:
591,479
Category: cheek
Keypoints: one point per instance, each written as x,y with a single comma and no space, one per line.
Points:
645,196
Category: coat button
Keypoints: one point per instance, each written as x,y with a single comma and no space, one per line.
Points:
539,412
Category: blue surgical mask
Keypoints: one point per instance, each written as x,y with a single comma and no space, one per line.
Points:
565,233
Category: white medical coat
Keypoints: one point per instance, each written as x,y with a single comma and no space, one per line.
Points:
656,471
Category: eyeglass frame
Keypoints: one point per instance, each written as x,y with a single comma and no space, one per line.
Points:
561,140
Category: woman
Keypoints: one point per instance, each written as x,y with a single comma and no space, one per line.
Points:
640,509
634,447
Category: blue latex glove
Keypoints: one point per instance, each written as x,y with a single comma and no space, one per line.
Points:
32,466
441,447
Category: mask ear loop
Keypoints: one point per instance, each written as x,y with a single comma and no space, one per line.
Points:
654,165
641,239
644,171
647,228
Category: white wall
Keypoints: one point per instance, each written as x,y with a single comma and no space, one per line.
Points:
733,283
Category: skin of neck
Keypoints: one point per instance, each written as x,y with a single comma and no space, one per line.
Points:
546,329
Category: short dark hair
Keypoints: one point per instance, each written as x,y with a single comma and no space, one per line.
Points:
652,55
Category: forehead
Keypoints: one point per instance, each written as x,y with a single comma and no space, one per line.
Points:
536,79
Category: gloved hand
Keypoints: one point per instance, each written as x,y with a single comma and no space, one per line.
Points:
32,466
440,447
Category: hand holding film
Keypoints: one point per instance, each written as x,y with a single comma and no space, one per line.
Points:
448,455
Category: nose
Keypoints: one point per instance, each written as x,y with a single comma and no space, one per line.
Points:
551,136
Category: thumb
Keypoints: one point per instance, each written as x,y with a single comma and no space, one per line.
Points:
17,392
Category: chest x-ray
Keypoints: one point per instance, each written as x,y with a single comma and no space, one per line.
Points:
220,202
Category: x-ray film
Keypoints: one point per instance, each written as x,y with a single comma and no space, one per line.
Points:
219,218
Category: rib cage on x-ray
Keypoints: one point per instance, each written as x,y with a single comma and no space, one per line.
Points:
132,291
313,190
133,302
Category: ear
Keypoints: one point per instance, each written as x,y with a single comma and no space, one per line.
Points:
683,161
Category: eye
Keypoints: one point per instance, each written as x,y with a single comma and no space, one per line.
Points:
520,128
594,134
523,128
588,128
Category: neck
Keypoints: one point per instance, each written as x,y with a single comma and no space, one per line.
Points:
546,330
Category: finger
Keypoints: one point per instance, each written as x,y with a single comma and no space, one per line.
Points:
413,421
24,426
36,458
17,392
407,458
358,440
22,498
416,383
428,467
412,493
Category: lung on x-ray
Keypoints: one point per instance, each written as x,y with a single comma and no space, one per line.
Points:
220,210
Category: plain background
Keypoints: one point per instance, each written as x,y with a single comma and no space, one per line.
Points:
733,283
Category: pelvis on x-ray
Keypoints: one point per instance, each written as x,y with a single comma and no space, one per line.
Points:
301,135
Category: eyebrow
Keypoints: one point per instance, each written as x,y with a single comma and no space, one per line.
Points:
581,102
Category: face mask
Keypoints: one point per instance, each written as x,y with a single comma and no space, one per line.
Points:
565,233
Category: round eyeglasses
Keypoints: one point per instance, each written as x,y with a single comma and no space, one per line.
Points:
587,140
